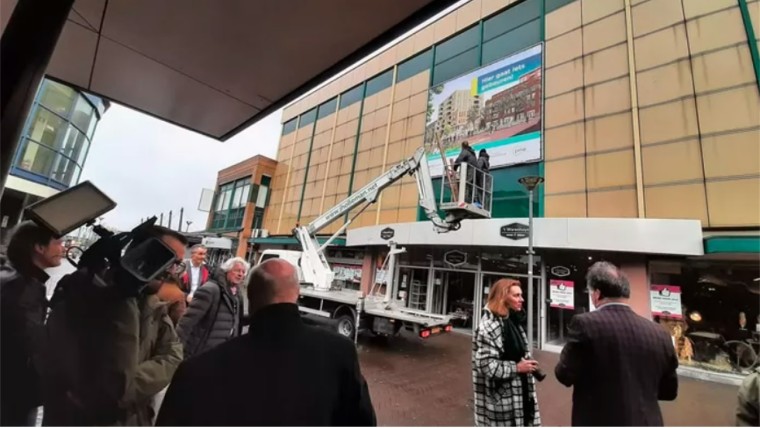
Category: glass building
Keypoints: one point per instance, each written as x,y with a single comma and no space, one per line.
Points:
53,148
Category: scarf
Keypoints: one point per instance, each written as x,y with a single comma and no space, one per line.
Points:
515,350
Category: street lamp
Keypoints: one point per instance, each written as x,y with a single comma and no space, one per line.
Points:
530,183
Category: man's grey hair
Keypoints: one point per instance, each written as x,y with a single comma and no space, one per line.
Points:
609,280
230,264
196,247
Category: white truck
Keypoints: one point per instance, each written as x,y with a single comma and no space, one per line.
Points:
382,315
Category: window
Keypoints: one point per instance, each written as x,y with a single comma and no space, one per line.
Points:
241,193
45,128
289,126
327,108
552,5
75,145
454,46
456,66
379,82
513,41
58,98
84,115
36,158
511,18
414,66
351,96
224,197
65,171
308,118
719,325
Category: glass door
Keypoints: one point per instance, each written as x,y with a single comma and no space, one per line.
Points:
413,287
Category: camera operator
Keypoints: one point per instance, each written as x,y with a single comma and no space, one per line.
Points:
30,250
503,374
111,350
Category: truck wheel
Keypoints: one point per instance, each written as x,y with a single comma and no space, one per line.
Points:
346,326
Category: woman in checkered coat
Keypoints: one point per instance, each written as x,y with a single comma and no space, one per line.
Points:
505,389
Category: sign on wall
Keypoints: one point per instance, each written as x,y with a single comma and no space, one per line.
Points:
515,231
666,301
562,294
349,273
497,108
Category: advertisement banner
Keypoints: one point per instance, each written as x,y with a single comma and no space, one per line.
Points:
666,301
349,273
562,294
496,108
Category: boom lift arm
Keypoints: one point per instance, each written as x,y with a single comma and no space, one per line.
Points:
314,265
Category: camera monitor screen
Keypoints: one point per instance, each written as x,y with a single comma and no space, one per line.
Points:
66,211
148,259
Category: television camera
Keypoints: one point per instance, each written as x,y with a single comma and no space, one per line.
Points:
124,261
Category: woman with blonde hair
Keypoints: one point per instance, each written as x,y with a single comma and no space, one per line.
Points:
502,373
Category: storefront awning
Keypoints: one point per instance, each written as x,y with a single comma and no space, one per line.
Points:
216,67
630,235
289,240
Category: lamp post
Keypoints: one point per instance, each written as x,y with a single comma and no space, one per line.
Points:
530,183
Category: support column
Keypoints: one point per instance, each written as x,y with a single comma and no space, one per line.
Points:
26,47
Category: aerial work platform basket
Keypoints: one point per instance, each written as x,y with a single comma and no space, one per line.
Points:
468,193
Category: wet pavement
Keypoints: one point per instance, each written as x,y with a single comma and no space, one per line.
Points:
428,383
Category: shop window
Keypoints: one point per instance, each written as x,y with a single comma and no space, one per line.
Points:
351,96
711,311
379,82
308,118
414,66
58,98
327,108
289,126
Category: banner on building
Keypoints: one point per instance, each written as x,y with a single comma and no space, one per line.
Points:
666,301
562,294
349,273
497,108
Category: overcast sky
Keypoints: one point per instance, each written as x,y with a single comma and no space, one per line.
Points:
149,166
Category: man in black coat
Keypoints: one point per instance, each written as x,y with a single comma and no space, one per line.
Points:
282,372
619,363
30,250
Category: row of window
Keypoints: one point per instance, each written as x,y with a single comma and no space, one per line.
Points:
57,137
489,40
231,201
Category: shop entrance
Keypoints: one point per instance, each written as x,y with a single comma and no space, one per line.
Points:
453,293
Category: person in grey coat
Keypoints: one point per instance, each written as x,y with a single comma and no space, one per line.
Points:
215,314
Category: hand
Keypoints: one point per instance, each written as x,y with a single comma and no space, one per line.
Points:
527,366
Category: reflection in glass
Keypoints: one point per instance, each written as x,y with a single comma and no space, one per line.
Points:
36,158
45,127
74,145
65,171
57,97
84,114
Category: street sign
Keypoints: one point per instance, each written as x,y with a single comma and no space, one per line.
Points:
515,231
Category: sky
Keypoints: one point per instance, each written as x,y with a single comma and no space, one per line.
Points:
149,166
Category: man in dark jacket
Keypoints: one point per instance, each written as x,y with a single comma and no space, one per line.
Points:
467,155
31,250
619,363
215,314
109,353
281,373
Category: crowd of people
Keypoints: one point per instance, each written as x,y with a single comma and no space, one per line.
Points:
172,352
177,353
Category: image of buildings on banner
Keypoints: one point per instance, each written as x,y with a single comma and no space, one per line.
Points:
497,108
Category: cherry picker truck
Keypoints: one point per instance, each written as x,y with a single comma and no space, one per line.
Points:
462,197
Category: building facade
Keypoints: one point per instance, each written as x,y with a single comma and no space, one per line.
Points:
240,202
642,115
53,149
